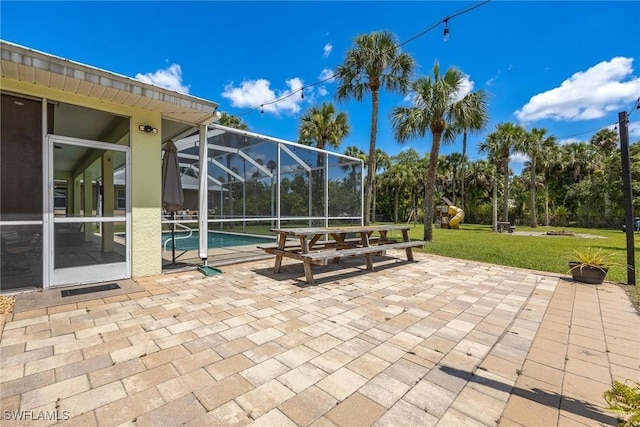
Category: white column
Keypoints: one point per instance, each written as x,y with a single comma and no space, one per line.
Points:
203,212
88,203
326,189
278,168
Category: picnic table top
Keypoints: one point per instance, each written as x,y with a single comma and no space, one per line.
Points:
306,231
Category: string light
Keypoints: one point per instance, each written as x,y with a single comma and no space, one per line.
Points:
446,30
334,75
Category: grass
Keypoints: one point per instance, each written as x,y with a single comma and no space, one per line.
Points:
543,253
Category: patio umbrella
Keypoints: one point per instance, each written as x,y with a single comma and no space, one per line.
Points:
172,196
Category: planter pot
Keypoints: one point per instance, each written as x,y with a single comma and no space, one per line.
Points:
587,273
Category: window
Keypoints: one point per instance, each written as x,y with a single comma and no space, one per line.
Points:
121,201
60,198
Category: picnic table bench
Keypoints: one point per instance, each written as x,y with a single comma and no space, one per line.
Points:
502,226
307,247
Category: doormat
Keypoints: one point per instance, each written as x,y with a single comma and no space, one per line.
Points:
89,289
209,271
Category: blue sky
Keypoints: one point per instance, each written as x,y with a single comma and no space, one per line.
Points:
569,67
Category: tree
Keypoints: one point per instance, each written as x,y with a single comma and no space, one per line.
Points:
322,127
436,108
500,144
605,139
353,151
472,117
451,168
550,161
375,62
382,161
232,122
535,144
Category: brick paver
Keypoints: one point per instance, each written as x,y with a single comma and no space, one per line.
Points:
437,342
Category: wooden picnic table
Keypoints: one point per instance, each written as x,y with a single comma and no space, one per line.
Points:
310,249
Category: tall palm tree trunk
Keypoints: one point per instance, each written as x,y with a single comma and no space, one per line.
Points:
371,162
429,186
534,214
462,165
505,203
494,204
373,201
546,205
395,205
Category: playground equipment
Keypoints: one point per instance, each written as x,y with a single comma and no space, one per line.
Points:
456,216
448,215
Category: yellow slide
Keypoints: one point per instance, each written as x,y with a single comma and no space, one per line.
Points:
458,216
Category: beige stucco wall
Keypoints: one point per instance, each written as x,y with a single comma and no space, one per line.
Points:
145,173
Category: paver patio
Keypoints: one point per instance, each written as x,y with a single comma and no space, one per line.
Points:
440,341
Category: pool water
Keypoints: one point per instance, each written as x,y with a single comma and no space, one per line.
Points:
216,240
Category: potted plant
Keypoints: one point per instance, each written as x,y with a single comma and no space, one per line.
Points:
590,265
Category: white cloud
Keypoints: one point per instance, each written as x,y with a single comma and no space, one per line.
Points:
254,93
322,91
326,50
567,141
519,158
327,75
169,78
634,130
586,95
465,87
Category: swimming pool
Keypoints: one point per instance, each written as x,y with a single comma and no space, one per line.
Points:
216,240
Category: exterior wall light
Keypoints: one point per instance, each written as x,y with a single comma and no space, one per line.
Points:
147,129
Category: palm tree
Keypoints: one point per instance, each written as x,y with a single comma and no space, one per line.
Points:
410,161
232,122
451,164
375,62
535,143
472,117
396,177
437,110
550,161
605,139
321,126
353,151
505,140
382,162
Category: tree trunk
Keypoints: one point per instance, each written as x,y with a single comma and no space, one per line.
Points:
373,202
462,165
371,161
534,214
494,207
546,205
430,187
505,203
395,205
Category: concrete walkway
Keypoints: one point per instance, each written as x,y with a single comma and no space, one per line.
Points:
440,341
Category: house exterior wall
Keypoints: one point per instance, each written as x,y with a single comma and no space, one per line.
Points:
146,172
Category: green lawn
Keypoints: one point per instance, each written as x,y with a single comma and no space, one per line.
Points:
545,253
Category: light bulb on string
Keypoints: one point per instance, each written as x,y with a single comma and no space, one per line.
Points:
262,110
446,30
302,93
